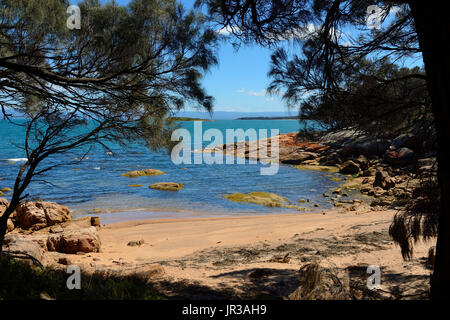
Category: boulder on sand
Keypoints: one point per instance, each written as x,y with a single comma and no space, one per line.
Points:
37,215
73,241
23,248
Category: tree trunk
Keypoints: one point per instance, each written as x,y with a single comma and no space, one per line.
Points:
3,228
433,29
4,222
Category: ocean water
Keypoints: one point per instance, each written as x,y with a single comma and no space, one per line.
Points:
95,186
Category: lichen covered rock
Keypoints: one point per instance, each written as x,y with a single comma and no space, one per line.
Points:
262,198
167,186
143,173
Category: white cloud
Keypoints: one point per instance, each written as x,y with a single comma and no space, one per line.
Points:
227,30
240,90
257,94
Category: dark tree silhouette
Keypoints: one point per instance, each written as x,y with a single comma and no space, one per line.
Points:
115,79
415,29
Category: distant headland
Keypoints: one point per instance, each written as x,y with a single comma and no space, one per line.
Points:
188,119
269,118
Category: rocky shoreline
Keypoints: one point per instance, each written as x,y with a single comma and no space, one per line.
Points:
386,170
38,227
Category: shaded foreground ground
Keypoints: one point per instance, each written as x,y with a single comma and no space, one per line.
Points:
258,256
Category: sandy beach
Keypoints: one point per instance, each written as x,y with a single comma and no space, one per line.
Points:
255,256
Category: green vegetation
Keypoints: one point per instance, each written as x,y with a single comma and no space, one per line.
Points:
143,173
269,118
19,281
167,186
187,119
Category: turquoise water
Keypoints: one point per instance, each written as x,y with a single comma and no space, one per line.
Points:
96,186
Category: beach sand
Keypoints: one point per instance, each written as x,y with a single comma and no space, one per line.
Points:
222,258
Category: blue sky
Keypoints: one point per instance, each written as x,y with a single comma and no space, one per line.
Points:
238,83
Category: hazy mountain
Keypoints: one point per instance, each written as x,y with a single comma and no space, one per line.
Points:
225,115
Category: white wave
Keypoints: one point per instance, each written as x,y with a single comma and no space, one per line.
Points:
96,168
16,159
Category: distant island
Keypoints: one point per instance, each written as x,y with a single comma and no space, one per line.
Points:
188,119
269,118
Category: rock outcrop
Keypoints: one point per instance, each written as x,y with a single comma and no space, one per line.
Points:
37,215
401,157
25,246
73,241
295,156
349,167
407,140
383,180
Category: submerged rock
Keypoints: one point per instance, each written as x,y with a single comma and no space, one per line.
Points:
262,198
167,186
143,173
